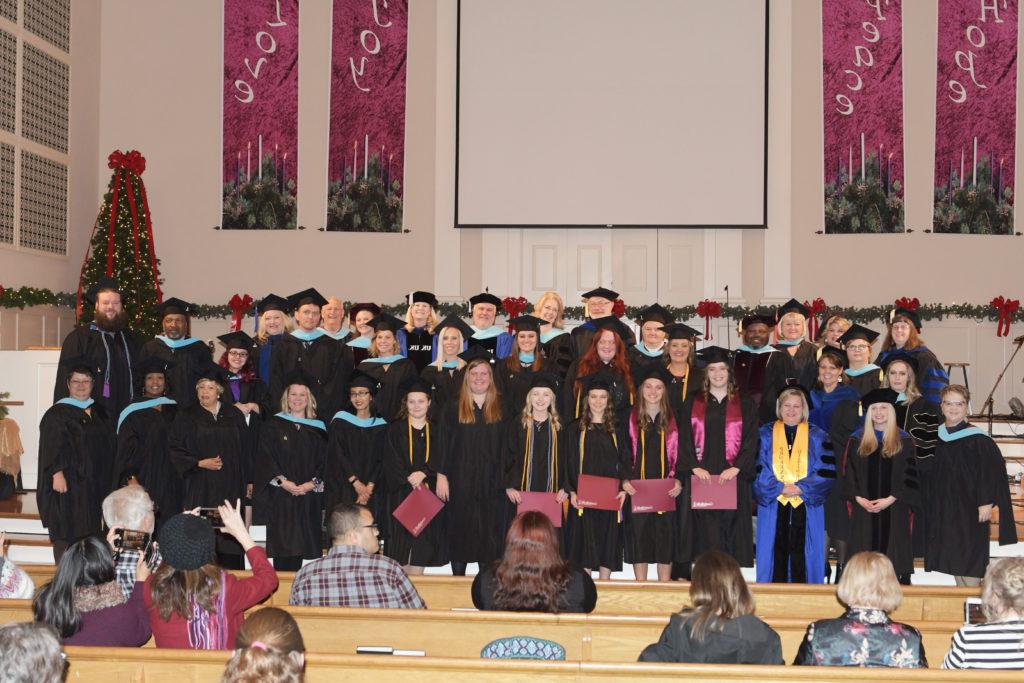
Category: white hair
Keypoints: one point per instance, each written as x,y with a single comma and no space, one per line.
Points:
129,507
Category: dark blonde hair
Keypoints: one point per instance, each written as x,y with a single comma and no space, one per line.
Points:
527,415
172,589
1003,589
491,407
718,593
869,580
608,418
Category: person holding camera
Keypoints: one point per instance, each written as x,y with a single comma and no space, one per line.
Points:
130,515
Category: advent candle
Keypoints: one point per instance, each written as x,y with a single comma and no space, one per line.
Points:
999,185
259,158
238,170
277,160
888,177
974,176
355,159
850,178
366,157
839,172
961,168
862,157
881,175
284,172
380,165
391,158
248,161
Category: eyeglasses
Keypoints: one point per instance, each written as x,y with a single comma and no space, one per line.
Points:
954,404
359,394
238,354
858,347
369,526
80,382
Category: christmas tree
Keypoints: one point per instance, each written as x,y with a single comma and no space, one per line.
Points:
122,246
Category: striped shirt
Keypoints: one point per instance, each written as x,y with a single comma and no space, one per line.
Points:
348,576
997,645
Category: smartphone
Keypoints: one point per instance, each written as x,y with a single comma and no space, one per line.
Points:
212,515
131,539
972,611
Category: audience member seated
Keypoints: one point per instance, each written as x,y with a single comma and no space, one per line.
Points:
721,627
130,508
85,604
192,602
532,576
354,573
30,653
14,583
269,649
864,635
999,642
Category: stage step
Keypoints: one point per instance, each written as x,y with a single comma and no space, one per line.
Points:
29,548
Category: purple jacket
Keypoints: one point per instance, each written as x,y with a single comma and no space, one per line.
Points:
124,625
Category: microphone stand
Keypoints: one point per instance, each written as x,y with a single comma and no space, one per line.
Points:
990,401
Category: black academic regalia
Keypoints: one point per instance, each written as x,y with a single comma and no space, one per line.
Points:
544,474
197,434
581,336
143,453
122,349
864,383
476,509
639,361
921,419
391,377
419,347
784,369
726,530
294,523
355,451
323,359
651,536
873,477
558,350
354,355
81,445
964,475
593,537
186,361
514,386
682,388
749,373
574,400
430,548
845,420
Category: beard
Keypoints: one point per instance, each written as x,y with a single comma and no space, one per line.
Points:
115,324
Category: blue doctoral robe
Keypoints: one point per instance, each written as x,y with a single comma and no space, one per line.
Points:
821,477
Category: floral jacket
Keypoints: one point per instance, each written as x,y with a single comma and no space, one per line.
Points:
862,637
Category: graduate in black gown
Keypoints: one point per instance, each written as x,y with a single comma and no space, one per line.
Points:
274,323
718,437
416,337
143,456
107,346
288,477
484,309
967,482
357,343
332,319
309,349
414,456
474,434
386,365
880,481
245,390
651,348
651,537
183,352
209,450
355,451
750,361
444,374
555,340
76,458
598,303
905,335
861,373
796,360
680,355
607,353
514,374
595,445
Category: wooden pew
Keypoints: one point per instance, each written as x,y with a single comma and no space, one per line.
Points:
103,665
920,603
601,638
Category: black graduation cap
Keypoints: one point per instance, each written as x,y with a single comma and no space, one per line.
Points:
598,380
545,380
653,371
794,385
681,331
839,355
416,384
475,352
154,364
792,306
273,302
174,306
903,357
211,371
610,322
456,322
715,354
755,318
237,340
364,380
910,315
385,322
307,296
656,313
104,284
485,298
527,323
878,396
602,292
356,308
858,332
299,376
419,297
82,364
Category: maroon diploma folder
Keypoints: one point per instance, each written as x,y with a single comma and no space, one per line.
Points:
652,495
418,508
599,493
542,502
712,495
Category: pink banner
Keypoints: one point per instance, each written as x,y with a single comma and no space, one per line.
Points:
862,64
975,116
366,156
261,104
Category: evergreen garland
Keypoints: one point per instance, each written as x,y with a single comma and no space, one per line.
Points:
369,204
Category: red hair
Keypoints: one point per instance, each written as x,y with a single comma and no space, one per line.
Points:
591,362
248,372
531,576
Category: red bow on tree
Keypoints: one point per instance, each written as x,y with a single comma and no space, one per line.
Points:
132,161
909,304
618,308
1005,308
1,292
708,309
816,307
514,307
240,305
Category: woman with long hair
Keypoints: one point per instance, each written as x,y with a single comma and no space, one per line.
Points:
606,353
880,480
416,337
192,602
475,441
531,576
595,445
444,374
274,324
514,374
680,354
247,391
654,447
85,604
719,627
386,364
269,649
414,457
289,477
554,340
904,334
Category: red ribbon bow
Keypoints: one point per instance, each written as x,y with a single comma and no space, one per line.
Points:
618,308
514,307
1005,308
240,305
708,309
1,292
909,304
132,161
816,307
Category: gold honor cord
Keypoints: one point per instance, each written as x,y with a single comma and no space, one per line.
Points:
686,381
552,461
643,455
427,428
583,440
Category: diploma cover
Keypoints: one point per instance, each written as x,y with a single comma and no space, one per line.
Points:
712,495
544,503
652,495
599,493
418,508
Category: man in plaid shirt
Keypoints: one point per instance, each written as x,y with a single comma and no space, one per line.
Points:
354,573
